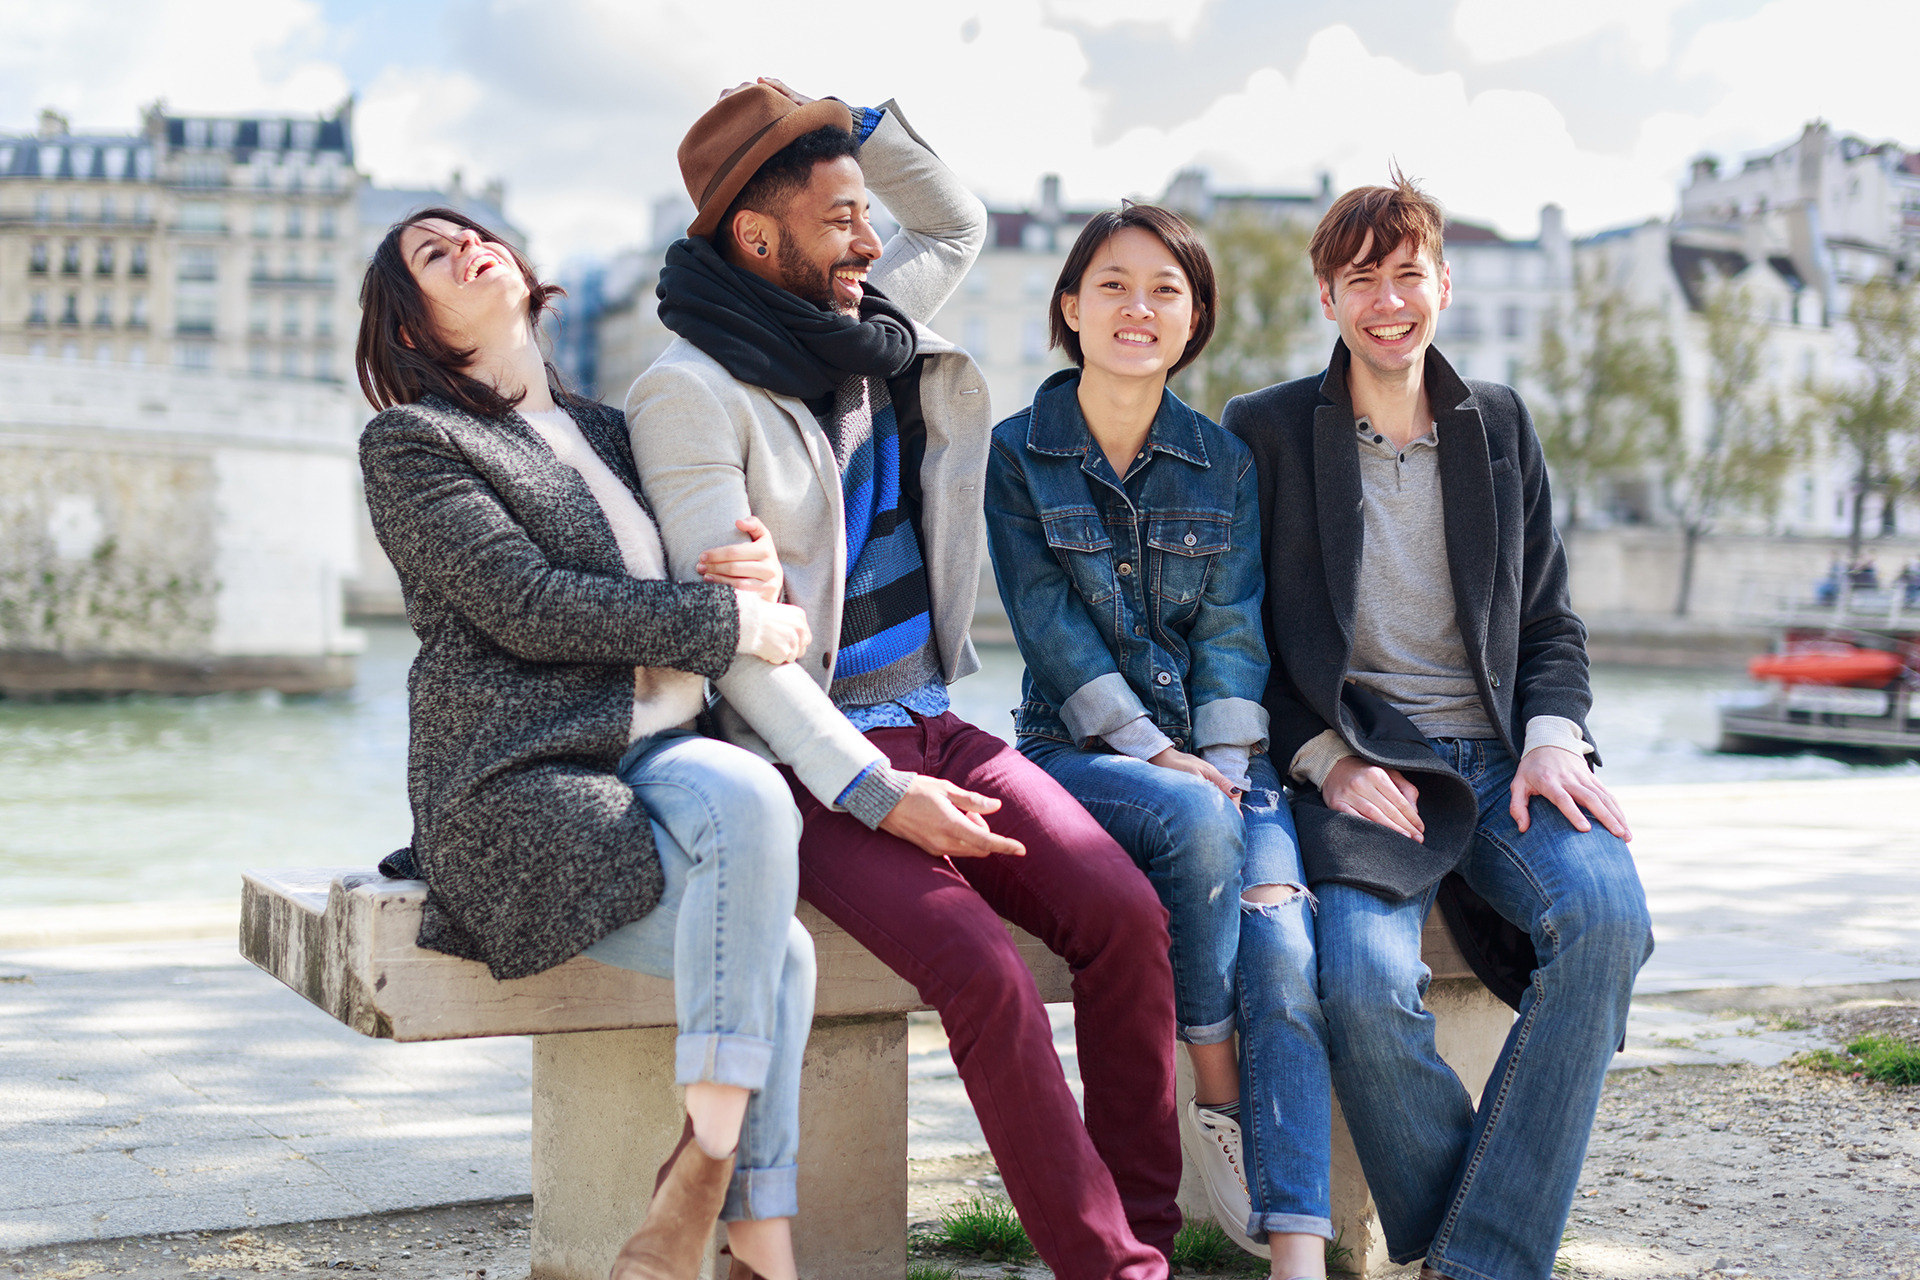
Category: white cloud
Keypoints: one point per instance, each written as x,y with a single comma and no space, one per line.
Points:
1180,17
1504,30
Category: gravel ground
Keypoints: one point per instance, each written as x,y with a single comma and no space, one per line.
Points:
1775,1173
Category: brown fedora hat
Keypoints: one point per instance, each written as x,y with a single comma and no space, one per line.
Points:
737,135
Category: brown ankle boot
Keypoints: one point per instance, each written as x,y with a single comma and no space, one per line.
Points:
736,1269
687,1197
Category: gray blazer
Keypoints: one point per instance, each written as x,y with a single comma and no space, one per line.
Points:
520,701
712,449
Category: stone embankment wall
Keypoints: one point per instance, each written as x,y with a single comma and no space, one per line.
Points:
173,532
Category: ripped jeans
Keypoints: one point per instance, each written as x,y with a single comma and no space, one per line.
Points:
1200,854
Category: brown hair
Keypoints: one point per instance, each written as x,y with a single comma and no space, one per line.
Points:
401,356
1173,232
1392,215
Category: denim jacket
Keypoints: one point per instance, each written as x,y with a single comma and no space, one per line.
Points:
1130,595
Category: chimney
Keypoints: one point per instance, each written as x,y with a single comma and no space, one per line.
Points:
1554,244
1812,155
1049,210
53,124
456,189
1187,194
495,194
1323,199
1705,169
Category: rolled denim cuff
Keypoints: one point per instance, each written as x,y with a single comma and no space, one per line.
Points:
1139,738
1231,762
1260,1225
758,1194
872,797
713,1058
1229,722
1554,731
1100,706
1213,1033
1316,757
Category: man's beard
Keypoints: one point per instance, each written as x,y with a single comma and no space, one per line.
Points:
800,276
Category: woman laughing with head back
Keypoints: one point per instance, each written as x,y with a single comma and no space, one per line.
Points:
562,802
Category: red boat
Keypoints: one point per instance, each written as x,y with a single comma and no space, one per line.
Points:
1828,662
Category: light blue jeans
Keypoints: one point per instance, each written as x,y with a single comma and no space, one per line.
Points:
1235,963
1485,1195
742,966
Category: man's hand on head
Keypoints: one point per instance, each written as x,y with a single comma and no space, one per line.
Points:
1563,778
1378,795
947,821
780,87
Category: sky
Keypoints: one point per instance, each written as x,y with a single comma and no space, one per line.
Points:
1497,106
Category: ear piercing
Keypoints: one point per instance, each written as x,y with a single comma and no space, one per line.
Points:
761,250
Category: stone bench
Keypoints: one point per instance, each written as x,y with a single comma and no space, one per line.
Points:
605,1108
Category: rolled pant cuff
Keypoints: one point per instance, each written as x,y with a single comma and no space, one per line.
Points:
1260,1226
710,1058
758,1194
1213,1033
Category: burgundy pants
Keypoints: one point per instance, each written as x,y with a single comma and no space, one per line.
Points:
1097,1199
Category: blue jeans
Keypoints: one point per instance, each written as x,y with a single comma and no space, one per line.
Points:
1484,1195
1199,852
742,966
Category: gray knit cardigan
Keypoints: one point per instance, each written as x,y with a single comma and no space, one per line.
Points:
520,700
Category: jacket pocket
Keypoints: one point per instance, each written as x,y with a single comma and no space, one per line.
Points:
1080,542
1185,549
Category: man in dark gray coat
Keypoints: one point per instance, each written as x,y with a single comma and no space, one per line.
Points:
1429,698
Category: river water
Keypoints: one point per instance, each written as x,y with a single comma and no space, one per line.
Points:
141,799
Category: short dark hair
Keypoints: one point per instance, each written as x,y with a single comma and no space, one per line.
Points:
786,171
1182,242
401,354
1392,215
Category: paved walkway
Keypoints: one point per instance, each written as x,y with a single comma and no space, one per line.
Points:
167,1086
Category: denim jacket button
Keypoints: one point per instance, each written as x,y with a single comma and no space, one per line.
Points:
1163,679
1125,569
1189,539
1139,630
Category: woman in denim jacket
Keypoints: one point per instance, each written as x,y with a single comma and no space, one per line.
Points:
1125,534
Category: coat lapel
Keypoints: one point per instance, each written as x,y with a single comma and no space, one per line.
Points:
1466,490
1336,488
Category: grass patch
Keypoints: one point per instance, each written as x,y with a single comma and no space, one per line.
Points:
1339,1256
1880,1058
930,1271
1202,1245
986,1225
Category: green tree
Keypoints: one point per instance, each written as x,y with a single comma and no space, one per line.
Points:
1268,301
1874,415
1607,388
1751,440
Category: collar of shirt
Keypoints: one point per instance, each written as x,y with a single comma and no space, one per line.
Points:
1371,439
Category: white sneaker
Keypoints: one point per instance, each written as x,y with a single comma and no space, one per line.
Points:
1212,1142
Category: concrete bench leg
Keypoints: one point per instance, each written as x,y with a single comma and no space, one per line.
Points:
606,1112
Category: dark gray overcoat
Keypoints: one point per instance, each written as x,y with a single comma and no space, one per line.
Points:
520,701
1509,571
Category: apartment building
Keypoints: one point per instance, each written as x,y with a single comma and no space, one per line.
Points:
202,243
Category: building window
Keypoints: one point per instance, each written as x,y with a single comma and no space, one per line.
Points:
1514,371
1037,283
1513,320
143,206
1033,340
103,259
323,364
108,210
137,311
193,312
201,215
36,351
70,312
42,207
257,361
37,307
70,352
103,309
974,338
76,210
261,271
295,227
199,263
290,269
326,229
263,220
262,172
257,317
978,282
103,354
116,162
323,268
225,132
290,363
302,134
290,317
37,258
1463,322
70,258
137,353
137,259
196,133
193,355
322,319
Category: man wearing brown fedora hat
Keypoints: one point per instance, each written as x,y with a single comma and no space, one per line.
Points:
805,388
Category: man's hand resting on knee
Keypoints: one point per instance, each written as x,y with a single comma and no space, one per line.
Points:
1378,795
1564,778
947,821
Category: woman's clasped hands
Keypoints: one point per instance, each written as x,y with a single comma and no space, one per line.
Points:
769,630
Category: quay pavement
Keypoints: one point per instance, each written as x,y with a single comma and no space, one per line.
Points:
164,1085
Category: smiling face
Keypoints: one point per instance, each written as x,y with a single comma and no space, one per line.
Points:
472,285
821,245
1387,310
1134,308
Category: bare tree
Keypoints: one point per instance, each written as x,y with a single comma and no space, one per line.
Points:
1608,388
1751,440
1267,304
1874,415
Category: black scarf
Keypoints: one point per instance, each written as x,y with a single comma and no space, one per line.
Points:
769,337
